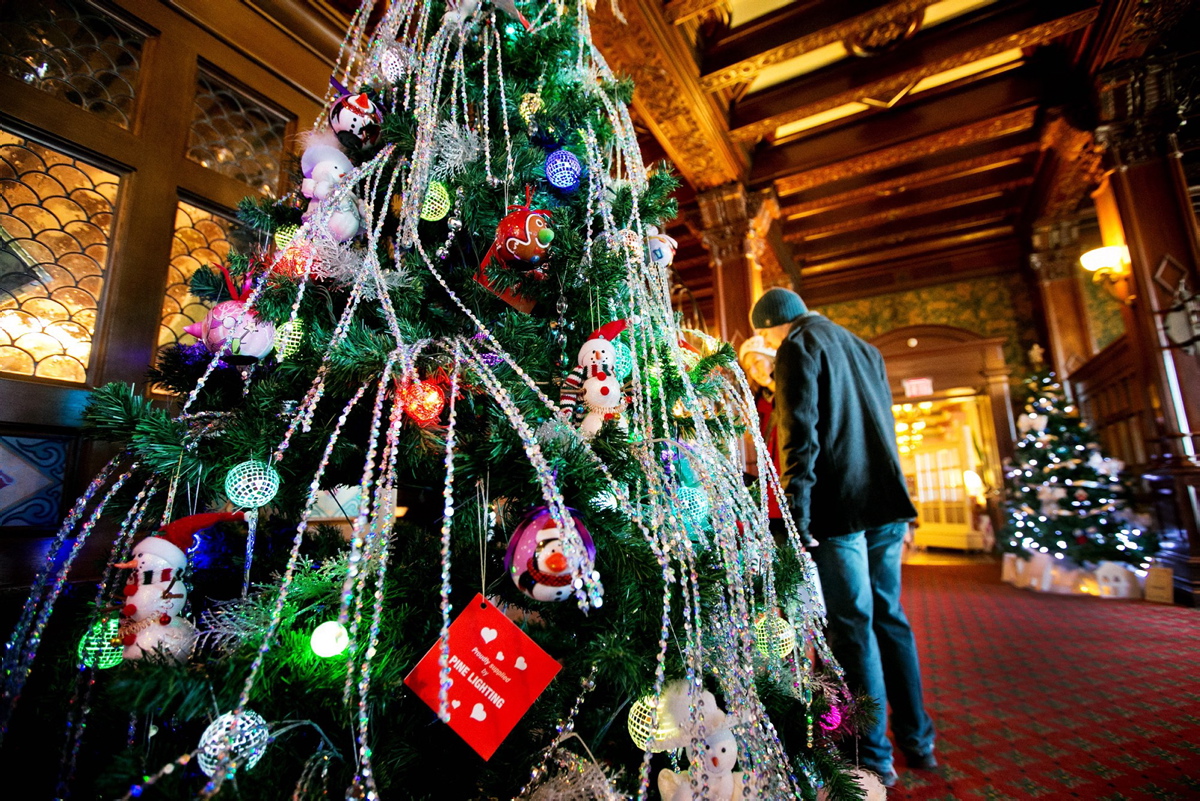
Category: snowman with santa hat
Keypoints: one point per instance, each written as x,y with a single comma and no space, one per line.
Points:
592,390
155,593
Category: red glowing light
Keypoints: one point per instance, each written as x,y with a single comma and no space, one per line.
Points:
423,401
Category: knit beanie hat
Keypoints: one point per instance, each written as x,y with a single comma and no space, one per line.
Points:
776,307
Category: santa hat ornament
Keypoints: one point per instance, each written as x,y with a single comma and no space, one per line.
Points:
173,541
600,351
354,117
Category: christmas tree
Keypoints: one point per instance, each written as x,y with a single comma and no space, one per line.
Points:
1064,497
457,329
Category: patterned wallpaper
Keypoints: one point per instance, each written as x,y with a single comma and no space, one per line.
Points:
994,306
1104,321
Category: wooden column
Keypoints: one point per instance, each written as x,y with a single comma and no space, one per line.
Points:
741,232
1140,102
1056,261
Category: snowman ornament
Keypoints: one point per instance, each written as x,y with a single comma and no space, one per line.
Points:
325,166
597,358
604,401
155,592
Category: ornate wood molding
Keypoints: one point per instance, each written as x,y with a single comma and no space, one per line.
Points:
926,251
993,128
668,98
966,166
1056,250
1141,104
748,69
1075,171
679,11
899,82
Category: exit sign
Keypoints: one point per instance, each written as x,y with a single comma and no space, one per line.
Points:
917,387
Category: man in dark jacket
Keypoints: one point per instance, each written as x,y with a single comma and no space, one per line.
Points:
841,473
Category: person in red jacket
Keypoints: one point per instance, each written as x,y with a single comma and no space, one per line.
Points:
758,363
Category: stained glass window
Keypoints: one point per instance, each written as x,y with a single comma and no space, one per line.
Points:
236,136
75,52
56,216
201,237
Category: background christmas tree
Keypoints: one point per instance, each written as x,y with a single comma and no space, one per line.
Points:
1064,497
463,309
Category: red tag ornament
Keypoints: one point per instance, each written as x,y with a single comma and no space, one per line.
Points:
497,673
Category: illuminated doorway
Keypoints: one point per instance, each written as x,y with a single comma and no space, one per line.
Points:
954,428
944,458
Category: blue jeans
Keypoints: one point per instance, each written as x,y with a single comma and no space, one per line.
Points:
871,638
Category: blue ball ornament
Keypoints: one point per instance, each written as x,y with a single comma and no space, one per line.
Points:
563,170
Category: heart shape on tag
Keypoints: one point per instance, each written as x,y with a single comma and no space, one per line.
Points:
477,712
488,634
520,663
499,656
456,703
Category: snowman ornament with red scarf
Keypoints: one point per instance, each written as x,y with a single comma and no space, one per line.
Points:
155,593
590,384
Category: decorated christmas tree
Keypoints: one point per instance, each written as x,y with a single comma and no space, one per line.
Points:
1064,496
457,335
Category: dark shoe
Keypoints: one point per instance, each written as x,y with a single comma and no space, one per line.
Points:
887,775
889,779
921,761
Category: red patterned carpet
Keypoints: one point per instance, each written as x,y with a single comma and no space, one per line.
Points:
1051,697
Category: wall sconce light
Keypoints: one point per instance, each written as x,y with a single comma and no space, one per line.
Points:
1110,265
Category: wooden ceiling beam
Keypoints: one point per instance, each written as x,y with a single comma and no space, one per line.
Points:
925,248
907,202
996,213
987,110
745,51
908,186
949,158
873,221
888,76
913,266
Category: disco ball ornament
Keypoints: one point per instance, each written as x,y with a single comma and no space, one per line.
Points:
693,505
329,639
531,103
251,484
284,235
288,338
424,401
391,64
774,635
641,724
563,170
622,360
243,746
437,202
101,647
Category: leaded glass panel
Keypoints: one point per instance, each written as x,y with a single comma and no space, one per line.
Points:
236,136
201,238
56,216
74,51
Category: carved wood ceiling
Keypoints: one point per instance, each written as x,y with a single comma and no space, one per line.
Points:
908,141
